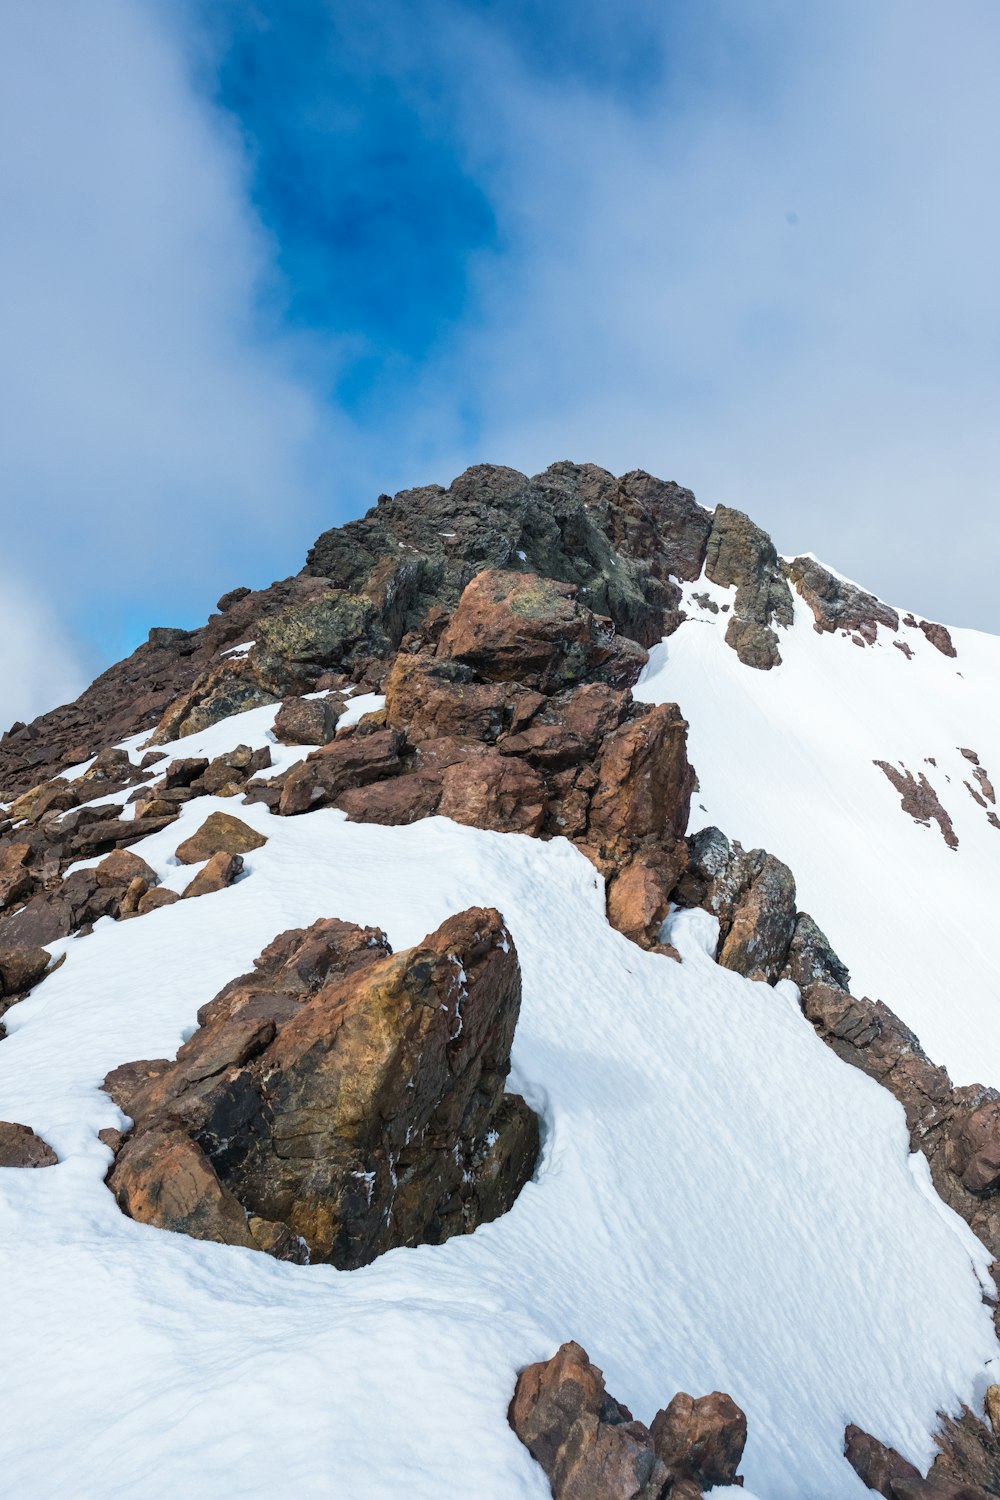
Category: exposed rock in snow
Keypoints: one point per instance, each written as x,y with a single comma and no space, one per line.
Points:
338,1101
920,800
838,604
21,1147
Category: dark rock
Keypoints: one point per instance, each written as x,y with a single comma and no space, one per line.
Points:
811,958
306,721
230,687
338,1101
232,597
156,898
762,924
837,604
21,969
21,1147
350,761
182,772
404,799
739,553
16,880
876,1465
516,627
220,833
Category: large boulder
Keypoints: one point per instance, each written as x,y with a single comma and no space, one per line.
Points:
516,627
350,761
339,1101
700,1438
427,698
21,1147
220,833
644,787
740,553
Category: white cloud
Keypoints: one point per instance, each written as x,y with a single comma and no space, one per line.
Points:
38,665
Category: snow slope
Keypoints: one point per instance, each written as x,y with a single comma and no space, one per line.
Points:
784,760
721,1204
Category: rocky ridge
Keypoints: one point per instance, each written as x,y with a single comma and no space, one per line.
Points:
508,706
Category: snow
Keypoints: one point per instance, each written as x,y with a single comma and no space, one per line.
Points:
784,761
721,1204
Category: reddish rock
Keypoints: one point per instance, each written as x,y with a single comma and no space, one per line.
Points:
405,799
568,729
920,800
639,896
939,636
306,721
586,1442
16,880
973,1149
350,761
221,870
645,785
21,1147
494,791
340,1098
879,1467
518,627
220,833
700,1439
426,698
21,969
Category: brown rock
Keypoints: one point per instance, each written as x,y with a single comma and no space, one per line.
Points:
700,1438
222,869
405,799
183,771
121,867
740,553
645,785
837,604
220,833
306,721
586,1442
340,1098
427,697
568,729
350,761
973,1148
516,627
879,1467
21,969
920,800
939,636
639,896
763,923
155,898
134,892
493,791
21,1147
16,881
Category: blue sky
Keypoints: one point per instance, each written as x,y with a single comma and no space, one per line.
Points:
266,258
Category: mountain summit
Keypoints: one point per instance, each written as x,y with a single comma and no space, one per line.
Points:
550,926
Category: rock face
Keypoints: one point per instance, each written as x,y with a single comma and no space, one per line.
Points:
591,1447
740,553
837,604
339,1101
967,1466
919,799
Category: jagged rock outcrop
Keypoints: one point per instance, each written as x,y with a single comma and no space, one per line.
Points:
340,1100
967,1466
837,604
591,1447
739,553
919,799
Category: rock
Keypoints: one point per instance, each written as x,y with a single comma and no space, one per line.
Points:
306,721
21,969
121,867
514,627
221,870
220,833
428,698
226,688
340,1099
811,958
939,636
232,597
700,1439
154,899
762,924
586,1442
350,761
567,729
992,1403
639,896
973,1147
185,770
405,799
21,1147
16,880
837,604
492,791
739,553
876,1465
920,800
644,786
76,902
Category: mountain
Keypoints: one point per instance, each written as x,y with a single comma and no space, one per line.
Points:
546,936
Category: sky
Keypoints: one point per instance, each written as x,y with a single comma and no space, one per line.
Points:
262,260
